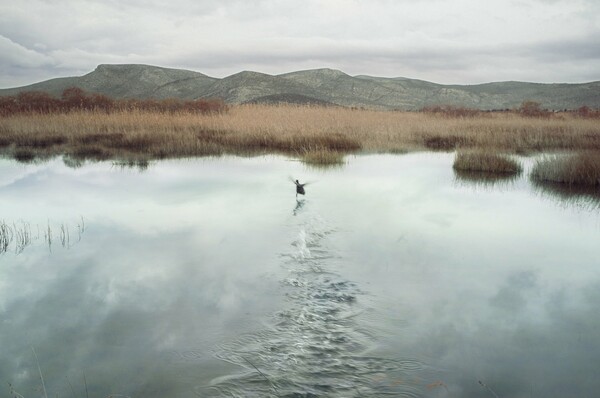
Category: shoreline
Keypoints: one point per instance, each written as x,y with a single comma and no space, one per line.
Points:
313,134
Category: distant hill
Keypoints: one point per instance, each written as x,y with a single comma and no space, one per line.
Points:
318,86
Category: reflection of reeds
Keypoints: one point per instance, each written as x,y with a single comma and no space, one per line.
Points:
65,238
80,228
20,235
24,155
482,384
483,179
576,169
140,164
13,393
40,371
264,376
583,196
48,236
6,236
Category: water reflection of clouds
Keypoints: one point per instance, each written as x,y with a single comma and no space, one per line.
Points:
488,284
10,173
511,296
115,311
513,348
169,263
488,287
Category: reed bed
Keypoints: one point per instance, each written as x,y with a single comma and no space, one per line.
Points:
486,162
581,168
323,157
284,129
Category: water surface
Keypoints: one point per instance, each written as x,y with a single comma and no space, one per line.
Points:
391,277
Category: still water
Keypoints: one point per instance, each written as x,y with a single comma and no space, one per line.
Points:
207,277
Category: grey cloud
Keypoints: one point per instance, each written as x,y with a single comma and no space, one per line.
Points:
120,332
580,50
15,55
386,38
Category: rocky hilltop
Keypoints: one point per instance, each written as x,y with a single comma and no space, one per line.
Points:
318,86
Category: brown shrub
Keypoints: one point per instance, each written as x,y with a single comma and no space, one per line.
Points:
445,142
36,101
586,112
451,111
75,99
533,109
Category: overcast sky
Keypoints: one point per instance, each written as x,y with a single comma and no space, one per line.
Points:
444,41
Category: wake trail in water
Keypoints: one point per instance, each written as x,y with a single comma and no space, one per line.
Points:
317,346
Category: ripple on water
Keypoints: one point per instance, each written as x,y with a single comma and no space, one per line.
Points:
317,346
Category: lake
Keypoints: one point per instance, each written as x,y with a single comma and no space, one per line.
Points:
208,277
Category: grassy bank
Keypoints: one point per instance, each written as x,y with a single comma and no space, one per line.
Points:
312,133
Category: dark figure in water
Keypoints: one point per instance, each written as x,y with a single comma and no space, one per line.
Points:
299,188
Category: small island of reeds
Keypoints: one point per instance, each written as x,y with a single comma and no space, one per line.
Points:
486,162
582,168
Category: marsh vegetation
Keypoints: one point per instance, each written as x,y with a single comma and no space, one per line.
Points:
82,126
581,168
485,162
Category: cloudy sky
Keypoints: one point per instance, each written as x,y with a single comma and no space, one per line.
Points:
445,41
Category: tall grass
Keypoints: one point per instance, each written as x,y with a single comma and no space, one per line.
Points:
136,134
581,168
486,162
323,157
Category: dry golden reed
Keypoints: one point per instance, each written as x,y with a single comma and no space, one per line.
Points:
485,162
286,129
323,157
575,169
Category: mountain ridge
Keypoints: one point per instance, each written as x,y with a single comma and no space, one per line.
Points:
316,86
